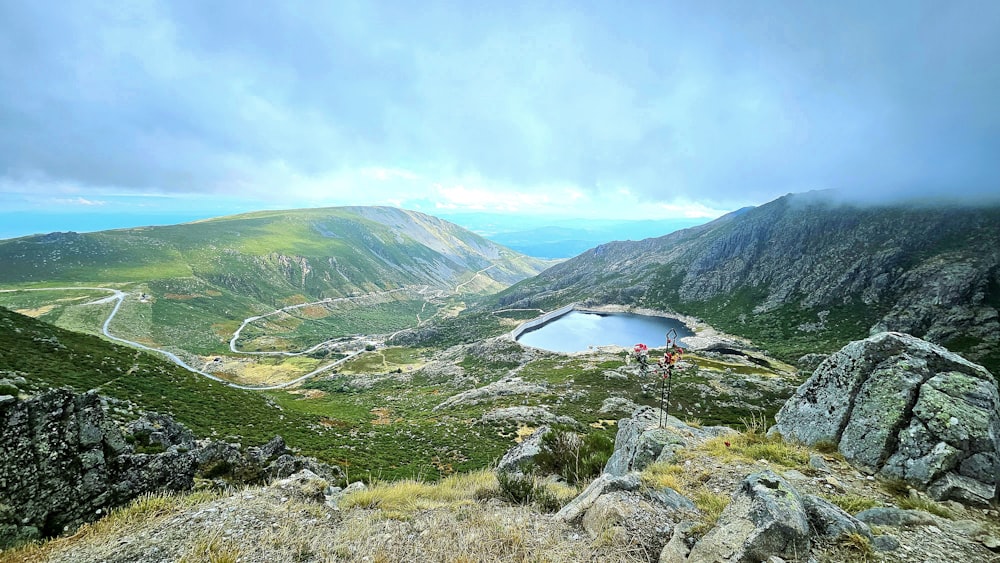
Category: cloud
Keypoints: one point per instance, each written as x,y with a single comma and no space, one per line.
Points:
723,104
79,201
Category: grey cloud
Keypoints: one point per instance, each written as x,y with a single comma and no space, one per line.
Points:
730,103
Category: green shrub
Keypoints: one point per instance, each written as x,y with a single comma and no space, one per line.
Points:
575,458
516,487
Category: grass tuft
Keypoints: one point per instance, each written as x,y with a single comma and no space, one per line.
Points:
927,505
400,499
852,504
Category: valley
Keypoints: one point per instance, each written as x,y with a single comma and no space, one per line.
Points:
420,376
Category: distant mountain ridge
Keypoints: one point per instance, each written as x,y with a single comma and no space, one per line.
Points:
203,278
805,271
336,250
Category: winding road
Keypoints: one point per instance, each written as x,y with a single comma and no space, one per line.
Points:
119,296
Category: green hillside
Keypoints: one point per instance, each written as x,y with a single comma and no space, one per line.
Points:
191,285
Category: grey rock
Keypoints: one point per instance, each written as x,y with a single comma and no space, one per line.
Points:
526,415
676,550
631,519
810,362
963,489
605,483
613,405
829,520
890,516
817,462
981,467
905,408
63,462
765,518
641,440
502,388
885,543
671,499
518,458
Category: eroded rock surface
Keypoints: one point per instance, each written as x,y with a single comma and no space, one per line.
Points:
64,462
905,408
765,518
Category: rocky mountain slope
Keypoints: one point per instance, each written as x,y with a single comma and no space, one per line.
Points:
806,273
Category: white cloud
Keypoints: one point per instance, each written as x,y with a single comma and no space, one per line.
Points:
79,201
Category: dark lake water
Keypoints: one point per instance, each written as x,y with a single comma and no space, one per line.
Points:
576,331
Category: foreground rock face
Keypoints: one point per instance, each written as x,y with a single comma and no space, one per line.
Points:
63,462
765,518
905,408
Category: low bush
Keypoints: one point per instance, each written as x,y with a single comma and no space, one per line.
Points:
575,458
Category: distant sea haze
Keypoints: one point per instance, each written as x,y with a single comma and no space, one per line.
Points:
20,224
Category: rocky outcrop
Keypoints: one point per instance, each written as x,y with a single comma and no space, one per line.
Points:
904,408
64,462
641,440
765,518
502,388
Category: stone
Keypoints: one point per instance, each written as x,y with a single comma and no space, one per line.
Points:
671,499
641,440
605,483
962,489
613,405
520,457
830,521
794,475
890,516
63,462
885,543
810,362
817,462
765,517
526,415
904,408
676,550
632,518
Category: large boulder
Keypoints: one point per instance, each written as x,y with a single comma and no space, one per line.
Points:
642,440
897,405
765,518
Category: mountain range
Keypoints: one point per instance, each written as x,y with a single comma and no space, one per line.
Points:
805,273
201,279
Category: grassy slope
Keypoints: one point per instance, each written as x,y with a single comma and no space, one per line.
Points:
375,422
205,277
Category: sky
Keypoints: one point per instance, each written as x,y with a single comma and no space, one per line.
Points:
582,109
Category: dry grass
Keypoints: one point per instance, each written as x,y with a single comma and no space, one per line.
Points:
141,511
752,445
399,499
852,504
212,549
691,484
927,505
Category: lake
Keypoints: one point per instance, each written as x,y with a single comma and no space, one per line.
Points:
576,331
